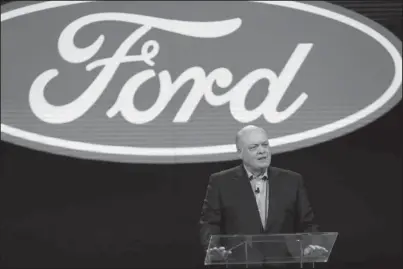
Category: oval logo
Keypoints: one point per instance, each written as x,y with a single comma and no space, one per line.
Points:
166,82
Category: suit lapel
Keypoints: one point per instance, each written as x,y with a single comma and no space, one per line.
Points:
248,199
273,198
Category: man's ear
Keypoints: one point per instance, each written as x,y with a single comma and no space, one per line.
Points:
240,153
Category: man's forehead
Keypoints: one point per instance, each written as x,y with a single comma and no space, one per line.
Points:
256,141
254,136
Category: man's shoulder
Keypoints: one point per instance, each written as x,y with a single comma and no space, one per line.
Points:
276,172
286,176
284,172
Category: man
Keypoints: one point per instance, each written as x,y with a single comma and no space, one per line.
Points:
255,198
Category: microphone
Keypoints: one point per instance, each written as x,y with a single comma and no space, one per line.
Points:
257,190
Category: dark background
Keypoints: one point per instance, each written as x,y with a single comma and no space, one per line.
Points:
57,211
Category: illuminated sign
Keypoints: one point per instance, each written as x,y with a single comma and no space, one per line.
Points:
166,82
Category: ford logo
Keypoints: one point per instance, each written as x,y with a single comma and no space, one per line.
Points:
169,82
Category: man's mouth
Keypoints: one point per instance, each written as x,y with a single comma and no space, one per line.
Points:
262,158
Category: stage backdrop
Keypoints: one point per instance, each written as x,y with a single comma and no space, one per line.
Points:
62,207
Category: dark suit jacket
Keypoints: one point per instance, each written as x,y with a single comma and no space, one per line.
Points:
230,205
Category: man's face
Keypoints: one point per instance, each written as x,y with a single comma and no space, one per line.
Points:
255,149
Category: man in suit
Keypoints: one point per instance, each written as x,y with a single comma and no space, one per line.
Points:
255,198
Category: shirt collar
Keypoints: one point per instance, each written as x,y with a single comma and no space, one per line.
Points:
250,175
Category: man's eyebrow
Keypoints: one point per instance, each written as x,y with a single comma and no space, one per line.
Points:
255,144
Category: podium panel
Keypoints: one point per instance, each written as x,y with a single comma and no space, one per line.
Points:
261,249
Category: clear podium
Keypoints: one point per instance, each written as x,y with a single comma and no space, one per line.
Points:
300,248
